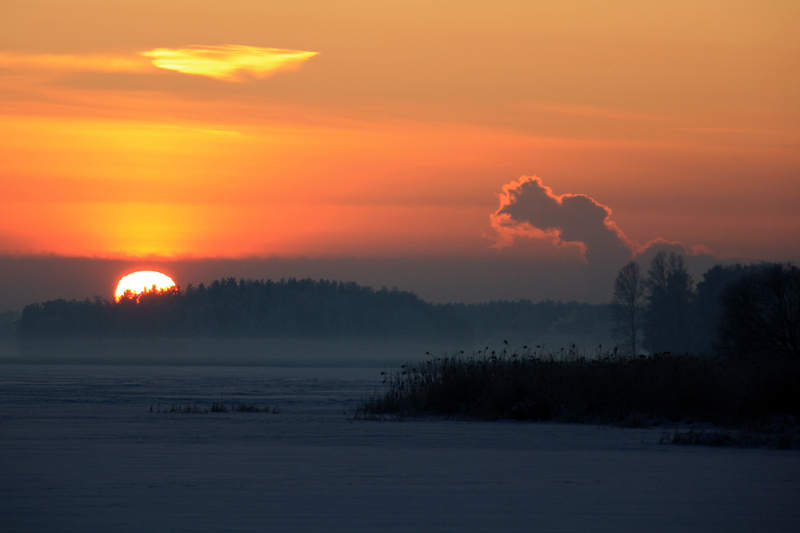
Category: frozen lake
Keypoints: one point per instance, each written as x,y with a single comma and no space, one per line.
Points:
82,452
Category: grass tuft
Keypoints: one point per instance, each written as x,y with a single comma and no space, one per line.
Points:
216,407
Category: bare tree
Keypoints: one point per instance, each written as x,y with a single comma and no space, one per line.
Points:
670,296
628,302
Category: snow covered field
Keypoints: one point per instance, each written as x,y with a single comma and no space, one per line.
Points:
80,451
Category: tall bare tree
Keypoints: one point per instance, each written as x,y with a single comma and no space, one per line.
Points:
670,296
628,305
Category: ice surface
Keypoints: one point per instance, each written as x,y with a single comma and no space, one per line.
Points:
81,452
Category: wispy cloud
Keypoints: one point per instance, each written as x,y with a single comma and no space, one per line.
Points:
228,63
75,62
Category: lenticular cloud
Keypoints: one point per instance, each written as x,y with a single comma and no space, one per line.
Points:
528,208
229,62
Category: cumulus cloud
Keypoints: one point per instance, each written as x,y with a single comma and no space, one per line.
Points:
528,208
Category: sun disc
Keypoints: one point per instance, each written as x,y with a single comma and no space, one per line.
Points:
142,281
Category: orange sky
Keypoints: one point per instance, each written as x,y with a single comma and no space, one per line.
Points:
222,129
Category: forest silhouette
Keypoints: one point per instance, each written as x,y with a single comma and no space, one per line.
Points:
303,308
736,309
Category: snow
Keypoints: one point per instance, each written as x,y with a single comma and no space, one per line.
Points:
82,452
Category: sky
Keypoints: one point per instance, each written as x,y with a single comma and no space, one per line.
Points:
464,150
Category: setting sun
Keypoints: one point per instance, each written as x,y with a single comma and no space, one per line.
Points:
141,281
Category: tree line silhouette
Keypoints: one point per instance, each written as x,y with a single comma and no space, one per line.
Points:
307,308
736,309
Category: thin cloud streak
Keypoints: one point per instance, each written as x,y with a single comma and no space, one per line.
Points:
231,63
76,63
228,63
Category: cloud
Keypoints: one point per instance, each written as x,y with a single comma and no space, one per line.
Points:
229,62
75,63
528,208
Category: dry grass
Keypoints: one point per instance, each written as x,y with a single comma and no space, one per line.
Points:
216,407
565,386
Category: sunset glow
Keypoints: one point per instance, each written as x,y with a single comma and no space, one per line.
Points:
144,280
227,63
387,130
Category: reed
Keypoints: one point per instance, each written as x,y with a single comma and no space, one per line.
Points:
567,386
216,407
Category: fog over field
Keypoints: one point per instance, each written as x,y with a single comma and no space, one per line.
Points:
296,352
